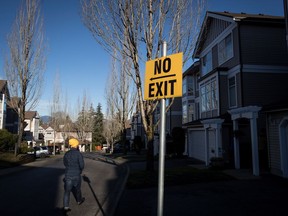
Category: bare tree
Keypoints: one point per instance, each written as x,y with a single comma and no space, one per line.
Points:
24,66
66,126
56,108
111,130
120,97
137,29
85,120
112,124
125,96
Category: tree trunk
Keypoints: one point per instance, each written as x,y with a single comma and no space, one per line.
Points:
150,150
20,134
124,141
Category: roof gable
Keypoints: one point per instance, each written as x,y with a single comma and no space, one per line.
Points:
216,22
4,88
31,114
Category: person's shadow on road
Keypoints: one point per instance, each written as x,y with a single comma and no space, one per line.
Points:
86,179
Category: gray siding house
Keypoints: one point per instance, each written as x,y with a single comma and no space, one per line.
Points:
242,68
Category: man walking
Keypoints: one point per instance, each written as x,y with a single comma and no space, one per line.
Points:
74,164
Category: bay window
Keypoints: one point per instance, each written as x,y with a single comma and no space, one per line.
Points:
208,94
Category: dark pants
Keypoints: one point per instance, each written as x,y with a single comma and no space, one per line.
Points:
72,184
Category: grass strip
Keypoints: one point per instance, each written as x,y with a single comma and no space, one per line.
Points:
175,176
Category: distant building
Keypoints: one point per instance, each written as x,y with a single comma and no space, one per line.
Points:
4,94
31,129
60,137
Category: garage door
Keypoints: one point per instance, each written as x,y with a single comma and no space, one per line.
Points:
196,143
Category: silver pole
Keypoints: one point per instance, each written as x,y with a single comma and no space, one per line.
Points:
285,4
162,150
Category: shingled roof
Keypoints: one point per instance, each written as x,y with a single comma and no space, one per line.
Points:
30,115
246,16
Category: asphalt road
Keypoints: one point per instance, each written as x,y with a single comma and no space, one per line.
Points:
37,188
33,191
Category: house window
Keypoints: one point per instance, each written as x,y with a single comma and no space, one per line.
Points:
208,93
225,50
184,86
190,85
207,63
184,112
232,92
187,86
190,112
197,81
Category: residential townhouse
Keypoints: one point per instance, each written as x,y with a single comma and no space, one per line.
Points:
8,105
34,134
4,93
242,68
277,140
46,133
12,118
173,120
31,129
136,128
60,137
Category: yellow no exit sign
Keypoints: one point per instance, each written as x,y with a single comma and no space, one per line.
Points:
163,77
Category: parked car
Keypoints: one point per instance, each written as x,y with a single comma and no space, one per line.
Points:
105,148
40,151
51,149
118,147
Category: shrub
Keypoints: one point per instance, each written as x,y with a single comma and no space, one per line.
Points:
7,140
217,162
10,160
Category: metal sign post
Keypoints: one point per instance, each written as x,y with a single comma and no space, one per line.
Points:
163,79
162,150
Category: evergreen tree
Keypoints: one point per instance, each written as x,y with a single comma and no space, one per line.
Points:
97,136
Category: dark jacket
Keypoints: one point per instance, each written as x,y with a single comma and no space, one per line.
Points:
74,163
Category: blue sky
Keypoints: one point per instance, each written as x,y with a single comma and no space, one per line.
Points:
82,64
